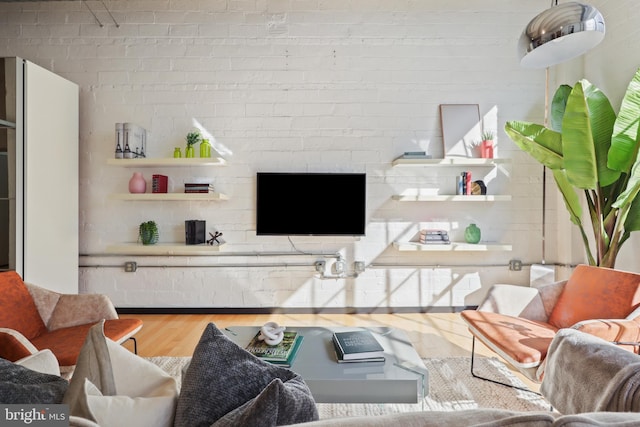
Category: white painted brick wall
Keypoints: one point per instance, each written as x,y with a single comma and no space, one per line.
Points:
295,86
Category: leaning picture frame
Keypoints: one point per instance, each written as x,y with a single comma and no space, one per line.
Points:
461,129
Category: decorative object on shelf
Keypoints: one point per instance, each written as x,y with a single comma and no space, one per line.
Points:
460,128
137,184
159,183
135,140
194,230
148,233
272,333
192,139
463,183
119,141
472,234
601,164
216,239
434,237
486,146
177,153
205,149
478,188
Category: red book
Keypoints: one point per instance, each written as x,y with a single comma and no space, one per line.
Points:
468,183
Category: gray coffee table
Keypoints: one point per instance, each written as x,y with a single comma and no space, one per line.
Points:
402,378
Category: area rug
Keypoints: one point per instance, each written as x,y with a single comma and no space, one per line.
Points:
451,388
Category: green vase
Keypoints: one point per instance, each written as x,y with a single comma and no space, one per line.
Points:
472,234
189,152
177,153
205,149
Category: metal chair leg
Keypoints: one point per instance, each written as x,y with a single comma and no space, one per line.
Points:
135,345
474,375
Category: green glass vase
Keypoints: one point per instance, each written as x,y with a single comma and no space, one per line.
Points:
472,234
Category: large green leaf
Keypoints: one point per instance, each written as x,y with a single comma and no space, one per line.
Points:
586,137
602,118
626,131
571,200
633,187
541,143
558,106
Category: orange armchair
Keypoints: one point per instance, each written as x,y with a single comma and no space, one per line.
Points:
518,323
33,318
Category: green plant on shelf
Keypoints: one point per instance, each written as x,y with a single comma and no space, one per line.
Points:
148,233
192,139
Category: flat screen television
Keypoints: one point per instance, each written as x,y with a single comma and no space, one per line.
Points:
310,204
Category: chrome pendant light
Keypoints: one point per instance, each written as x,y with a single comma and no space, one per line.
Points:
560,33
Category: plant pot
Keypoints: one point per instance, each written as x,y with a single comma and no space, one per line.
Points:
486,149
148,233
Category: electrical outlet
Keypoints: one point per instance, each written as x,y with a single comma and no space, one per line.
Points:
515,265
338,267
320,266
130,266
358,266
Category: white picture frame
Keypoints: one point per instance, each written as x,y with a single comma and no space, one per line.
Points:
461,129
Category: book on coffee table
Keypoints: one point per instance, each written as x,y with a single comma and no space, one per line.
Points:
358,345
281,354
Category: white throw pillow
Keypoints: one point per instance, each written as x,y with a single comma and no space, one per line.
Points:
114,387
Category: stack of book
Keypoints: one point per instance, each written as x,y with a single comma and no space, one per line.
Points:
434,237
282,354
159,183
357,346
198,188
415,155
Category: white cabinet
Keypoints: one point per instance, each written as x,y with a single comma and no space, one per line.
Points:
425,195
39,143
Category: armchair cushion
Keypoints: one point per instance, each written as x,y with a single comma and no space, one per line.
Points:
23,315
616,293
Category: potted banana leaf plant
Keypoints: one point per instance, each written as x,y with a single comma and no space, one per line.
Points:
594,152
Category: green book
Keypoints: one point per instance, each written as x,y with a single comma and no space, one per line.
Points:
280,353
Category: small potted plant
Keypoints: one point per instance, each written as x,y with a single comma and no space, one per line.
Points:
192,139
486,147
148,233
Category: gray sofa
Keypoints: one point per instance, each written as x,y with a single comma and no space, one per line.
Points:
590,382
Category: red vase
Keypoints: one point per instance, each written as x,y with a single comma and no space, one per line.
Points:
137,184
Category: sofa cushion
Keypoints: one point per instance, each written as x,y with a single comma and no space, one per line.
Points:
22,385
114,387
67,342
17,309
465,418
617,294
225,380
520,341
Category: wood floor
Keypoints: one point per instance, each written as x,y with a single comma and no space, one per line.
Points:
433,335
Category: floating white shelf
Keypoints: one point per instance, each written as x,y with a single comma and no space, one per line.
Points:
453,247
151,197
451,161
451,198
167,162
163,249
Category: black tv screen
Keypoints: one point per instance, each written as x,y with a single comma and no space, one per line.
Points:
310,204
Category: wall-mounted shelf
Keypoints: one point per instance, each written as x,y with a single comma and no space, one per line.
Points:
167,162
163,249
452,161
451,198
153,197
452,247
6,124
